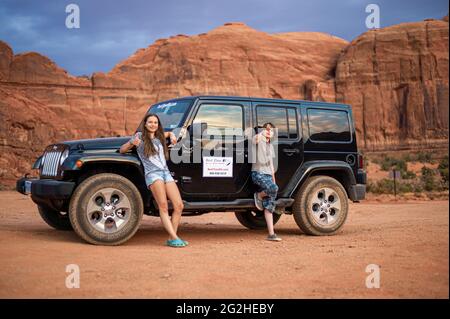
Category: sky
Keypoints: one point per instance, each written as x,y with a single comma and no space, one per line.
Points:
110,31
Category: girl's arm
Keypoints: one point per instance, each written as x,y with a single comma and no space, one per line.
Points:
173,138
135,141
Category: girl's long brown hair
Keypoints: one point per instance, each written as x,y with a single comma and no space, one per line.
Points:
149,149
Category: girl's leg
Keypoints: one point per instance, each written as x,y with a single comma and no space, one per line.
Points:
174,195
159,194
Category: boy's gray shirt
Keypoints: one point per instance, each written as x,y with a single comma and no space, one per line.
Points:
264,155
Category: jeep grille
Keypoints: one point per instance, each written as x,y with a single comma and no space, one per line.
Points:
51,160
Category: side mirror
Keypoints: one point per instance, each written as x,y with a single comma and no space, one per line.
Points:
197,129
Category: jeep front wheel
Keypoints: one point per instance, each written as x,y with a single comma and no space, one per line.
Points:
106,209
54,218
320,206
254,219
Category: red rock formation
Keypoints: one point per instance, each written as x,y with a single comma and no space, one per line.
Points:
230,60
396,79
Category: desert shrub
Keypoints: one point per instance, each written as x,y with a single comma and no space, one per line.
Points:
408,175
388,163
443,170
406,187
424,157
428,179
407,158
386,186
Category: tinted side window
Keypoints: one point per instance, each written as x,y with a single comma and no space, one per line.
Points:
275,115
221,118
293,129
328,125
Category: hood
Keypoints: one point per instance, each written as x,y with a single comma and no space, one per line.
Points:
97,143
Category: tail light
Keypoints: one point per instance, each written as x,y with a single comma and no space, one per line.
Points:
360,161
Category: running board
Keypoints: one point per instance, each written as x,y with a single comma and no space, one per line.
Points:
230,205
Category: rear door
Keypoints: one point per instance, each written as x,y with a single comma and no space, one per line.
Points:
218,166
287,144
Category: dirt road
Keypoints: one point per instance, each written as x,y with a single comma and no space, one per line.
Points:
409,241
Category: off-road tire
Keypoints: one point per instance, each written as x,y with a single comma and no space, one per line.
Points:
305,202
255,219
79,204
54,218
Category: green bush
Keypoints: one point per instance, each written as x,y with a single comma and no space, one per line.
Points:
389,163
407,158
384,186
424,157
429,180
443,169
408,175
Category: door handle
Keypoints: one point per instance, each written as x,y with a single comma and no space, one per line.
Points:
291,151
186,179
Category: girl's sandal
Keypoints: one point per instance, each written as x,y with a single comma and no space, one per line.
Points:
176,243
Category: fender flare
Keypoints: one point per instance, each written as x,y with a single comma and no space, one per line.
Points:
313,166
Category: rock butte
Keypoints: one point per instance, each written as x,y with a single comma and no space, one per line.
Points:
395,78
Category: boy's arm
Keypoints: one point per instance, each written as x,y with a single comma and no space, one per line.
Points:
256,138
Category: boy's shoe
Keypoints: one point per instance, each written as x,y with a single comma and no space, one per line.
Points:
273,237
258,202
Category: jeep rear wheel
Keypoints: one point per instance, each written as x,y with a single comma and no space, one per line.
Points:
54,218
106,209
321,206
254,219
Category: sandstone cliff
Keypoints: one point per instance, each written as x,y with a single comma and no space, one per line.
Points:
396,79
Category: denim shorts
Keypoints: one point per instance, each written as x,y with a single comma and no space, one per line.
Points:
163,175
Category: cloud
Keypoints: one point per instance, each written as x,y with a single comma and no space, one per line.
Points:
112,30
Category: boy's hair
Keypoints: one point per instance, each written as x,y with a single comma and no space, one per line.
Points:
267,124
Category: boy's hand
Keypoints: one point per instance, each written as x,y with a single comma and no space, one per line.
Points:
136,141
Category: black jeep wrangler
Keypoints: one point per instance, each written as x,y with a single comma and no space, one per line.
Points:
88,186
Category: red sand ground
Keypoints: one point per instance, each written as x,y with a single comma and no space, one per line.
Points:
409,240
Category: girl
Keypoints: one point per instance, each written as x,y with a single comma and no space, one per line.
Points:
153,152
263,175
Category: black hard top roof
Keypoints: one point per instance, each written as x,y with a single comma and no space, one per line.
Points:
255,99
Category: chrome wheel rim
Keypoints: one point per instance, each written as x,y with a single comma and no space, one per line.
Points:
325,206
108,210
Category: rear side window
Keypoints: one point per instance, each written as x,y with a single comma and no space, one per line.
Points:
284,119
328,125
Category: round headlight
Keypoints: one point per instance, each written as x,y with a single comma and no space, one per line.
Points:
64,155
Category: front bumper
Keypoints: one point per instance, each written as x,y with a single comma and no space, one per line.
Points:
45,188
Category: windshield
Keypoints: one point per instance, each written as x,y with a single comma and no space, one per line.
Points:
170,113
